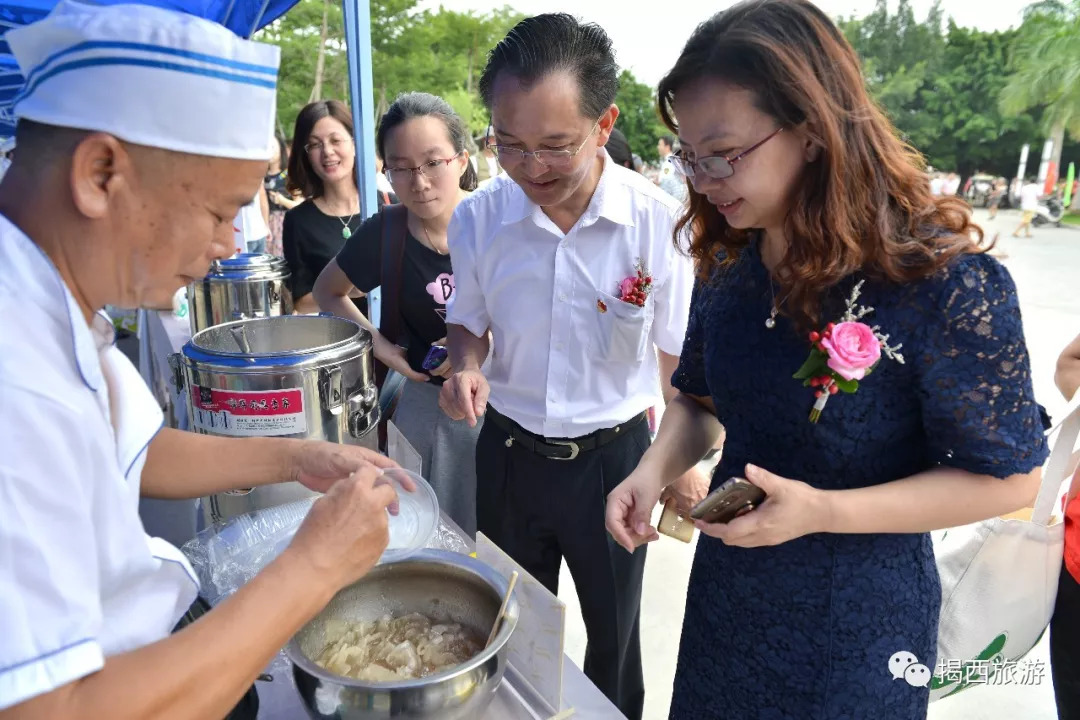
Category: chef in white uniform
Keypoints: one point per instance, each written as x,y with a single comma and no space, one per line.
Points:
141,132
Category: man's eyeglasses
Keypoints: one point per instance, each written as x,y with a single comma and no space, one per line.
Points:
432,170
335,142
555,159
716,167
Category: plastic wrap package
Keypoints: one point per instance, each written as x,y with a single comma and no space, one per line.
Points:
226,556
448,538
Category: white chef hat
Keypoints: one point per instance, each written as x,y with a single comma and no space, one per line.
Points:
148,76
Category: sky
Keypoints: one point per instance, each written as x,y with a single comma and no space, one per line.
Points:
647,40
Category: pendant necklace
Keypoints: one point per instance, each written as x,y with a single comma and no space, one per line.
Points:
770,322
346,232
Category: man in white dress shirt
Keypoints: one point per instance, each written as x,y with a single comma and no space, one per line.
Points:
125,186
539,255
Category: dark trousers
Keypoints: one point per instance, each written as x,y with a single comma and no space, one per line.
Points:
539,511
1065,647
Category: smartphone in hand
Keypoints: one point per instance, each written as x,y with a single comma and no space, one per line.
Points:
436,356
733,498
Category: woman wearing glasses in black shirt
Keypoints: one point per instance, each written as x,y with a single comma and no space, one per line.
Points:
422,142
322,169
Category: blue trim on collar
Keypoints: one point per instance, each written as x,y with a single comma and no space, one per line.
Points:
144,448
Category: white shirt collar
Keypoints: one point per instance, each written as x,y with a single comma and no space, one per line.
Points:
611,200
40,281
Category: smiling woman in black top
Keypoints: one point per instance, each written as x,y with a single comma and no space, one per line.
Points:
321,168
423,143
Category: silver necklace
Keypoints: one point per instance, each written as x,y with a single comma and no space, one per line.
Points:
770,322
346,233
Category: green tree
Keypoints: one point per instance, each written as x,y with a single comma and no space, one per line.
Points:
1046,71
441,52
941,87
971,131
638,118
900,57
299,35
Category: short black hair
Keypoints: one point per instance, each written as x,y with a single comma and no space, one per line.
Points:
541,45
669,140
422,104
42,141
619,149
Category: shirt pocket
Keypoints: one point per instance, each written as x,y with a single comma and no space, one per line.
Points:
621,329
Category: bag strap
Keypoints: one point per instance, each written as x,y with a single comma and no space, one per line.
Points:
1062,463
395,230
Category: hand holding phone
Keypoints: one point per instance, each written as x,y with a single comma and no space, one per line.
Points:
733,498
674,524
436,356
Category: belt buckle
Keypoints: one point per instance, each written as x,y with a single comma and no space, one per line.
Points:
574,448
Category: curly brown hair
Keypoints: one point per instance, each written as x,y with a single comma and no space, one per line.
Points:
864,205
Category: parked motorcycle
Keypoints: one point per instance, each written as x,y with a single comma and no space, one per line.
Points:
1049,212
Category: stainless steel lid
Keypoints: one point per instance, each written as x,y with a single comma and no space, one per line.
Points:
248,266
284,340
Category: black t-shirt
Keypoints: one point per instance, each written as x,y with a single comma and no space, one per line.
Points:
311,239
426,285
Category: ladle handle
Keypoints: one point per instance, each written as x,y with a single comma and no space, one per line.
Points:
502,610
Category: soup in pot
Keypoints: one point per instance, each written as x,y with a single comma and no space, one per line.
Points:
397,648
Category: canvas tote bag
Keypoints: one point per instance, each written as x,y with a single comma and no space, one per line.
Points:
999,579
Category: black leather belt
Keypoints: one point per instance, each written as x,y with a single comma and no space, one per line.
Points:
558,448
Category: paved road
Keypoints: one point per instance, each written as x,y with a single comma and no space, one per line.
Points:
1047,273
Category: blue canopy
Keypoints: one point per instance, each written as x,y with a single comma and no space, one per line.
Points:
243,17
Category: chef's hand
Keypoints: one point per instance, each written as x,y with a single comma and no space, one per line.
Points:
445,369
317,464
791,509
629,509
464,396
393,357
690,489
346,532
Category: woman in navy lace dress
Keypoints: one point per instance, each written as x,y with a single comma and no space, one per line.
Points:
801,194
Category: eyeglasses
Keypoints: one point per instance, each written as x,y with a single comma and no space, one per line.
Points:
556,159
432,170
336,143
716,167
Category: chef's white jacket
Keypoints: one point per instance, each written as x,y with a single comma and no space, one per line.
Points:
79,578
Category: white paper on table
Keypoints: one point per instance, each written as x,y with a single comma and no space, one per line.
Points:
401,450
536,647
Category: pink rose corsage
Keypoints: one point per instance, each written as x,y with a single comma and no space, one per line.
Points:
637,287
844,353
